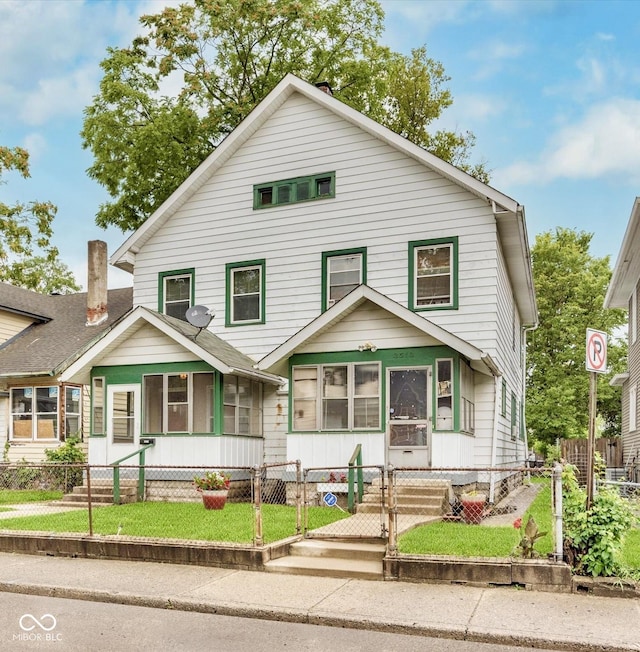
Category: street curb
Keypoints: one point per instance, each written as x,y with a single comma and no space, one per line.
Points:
308,617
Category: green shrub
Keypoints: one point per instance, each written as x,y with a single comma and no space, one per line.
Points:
67,453
593,538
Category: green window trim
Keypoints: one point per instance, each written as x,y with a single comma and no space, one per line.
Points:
327,256
163,277
230,297
415,247
503,403
294,191
514,415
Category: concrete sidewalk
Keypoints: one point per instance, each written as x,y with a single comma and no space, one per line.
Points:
496,615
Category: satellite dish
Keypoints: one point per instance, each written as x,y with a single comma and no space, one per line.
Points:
199,316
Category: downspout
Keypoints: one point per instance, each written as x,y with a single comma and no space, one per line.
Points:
494,443
525,330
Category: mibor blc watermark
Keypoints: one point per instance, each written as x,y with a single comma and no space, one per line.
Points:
37,629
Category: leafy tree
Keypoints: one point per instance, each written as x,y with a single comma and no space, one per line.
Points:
224,56
570,287
26,229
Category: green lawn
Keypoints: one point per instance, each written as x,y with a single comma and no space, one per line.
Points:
15,496
631,550
462,540
233,524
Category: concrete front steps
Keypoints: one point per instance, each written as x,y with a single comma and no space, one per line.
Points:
101,493
348,559
414,497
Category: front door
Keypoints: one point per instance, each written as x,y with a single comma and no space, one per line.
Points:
409,417
123,418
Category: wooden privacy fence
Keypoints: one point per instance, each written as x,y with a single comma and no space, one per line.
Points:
574,451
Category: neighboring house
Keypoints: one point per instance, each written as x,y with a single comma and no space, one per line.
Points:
365,292
623,293
40,335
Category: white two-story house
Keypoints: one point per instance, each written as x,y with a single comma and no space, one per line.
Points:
350,288
623,292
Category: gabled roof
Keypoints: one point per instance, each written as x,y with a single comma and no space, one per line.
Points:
509,214
26,302
202,343
49,347
627,270
275,360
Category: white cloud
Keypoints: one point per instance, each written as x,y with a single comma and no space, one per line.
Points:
59,96
427,14
605,142
50,53
493,55
36,144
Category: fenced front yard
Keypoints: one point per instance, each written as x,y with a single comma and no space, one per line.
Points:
454,512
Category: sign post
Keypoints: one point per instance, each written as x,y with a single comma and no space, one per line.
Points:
596,363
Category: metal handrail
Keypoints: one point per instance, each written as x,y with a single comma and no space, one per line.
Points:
355,464
116,473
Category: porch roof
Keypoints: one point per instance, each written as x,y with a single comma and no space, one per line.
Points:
59,336
275,361
200,342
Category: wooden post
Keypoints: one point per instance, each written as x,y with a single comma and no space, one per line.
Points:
593,399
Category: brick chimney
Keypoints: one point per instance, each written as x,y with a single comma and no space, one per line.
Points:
97,283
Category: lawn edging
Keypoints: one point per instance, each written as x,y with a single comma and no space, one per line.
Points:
170,551
532,574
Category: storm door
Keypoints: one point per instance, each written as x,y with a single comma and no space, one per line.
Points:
409,416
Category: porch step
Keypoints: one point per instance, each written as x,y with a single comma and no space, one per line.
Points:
420,497
353,560
101,493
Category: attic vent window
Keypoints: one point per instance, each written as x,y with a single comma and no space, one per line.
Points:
292,191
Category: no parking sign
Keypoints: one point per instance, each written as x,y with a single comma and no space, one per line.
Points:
596,351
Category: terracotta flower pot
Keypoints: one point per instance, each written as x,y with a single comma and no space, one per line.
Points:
473,507
214,499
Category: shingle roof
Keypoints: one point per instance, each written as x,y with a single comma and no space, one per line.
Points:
211,343
48,348
24,302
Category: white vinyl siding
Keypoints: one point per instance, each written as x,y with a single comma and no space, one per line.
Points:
147,346
218,226
384,201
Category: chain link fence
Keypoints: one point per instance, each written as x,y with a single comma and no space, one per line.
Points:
259,505
345,502
453,511
476,512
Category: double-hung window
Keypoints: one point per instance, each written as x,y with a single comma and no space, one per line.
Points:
176,291
97,406
245,301
433,274
291,191
342,271
72,402
242,398
34,412
336,397
178,402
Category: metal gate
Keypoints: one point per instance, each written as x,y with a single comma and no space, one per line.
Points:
345,503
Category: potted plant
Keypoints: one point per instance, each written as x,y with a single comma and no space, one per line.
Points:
213,486
473,503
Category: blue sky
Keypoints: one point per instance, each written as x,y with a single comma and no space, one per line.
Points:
550,89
